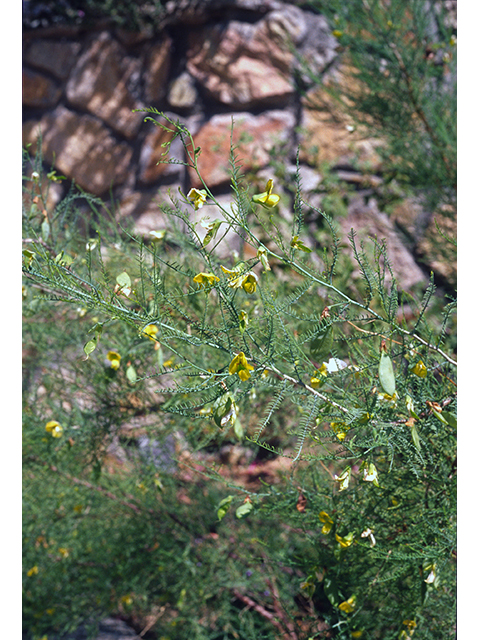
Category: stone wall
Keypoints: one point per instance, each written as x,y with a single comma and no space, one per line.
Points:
80,89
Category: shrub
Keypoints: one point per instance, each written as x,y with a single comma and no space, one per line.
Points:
397,82
351,386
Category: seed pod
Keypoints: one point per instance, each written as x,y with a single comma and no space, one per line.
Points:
321,346
386,374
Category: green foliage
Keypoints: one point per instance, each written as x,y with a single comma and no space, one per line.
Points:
199,349
398,82
134,15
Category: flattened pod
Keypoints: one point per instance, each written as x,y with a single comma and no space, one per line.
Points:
321,346
386,374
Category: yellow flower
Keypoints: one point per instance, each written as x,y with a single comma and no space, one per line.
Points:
54,428
206,279
390,400
407,635
248,281
63,552
240,365
410,624
340,429
32,572
348,605
114,359
420,369
344,479
150,331
234,280
345,541
198,197
267,199
327,522
357,634
316,379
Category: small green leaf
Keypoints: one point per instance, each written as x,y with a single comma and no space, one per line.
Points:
386,374
238,429
331,591
321,346
244,509
450,418
90,346
298,244
45,230
415,438
212,229
243,322
64,259
223,507
28,255
439,415
97,329
124,280
410,407
131,374
224,410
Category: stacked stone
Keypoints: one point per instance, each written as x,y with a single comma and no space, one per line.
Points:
81,90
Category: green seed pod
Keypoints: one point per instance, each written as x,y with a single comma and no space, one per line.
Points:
386,374
321,346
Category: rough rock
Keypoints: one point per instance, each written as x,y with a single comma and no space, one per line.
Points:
368,221
437,252
104,81
156,70
143,208
39,91
329,136
317,48
82,149
182,93
56,57
255,137
245,65
410,217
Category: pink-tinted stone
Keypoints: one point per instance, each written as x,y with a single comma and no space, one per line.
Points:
254,136
81,148
103,82
368,221
156,71
245,65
